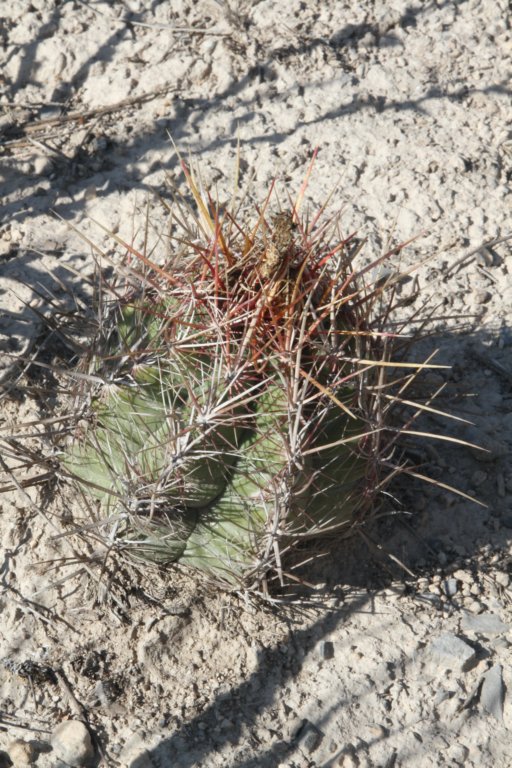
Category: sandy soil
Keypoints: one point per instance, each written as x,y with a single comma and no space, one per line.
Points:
410,104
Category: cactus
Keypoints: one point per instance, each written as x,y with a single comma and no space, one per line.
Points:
234,400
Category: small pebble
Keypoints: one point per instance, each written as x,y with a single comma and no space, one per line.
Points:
502,578
441,695
42,165
500,642
465,576
485,624
451,652
21,753
500,485
379,732
349,760
492,692
458,753
482,297
310,737
474,607
71,742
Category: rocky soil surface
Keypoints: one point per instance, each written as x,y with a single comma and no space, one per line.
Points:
410,104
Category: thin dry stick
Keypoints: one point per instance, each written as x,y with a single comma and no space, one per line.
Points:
29,128
464,260
75,706
167,27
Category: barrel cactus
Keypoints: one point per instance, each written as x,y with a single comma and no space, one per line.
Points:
232,402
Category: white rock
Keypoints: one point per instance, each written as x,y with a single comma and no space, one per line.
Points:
502,578
492,693
485,624
349,761
452,652
458,753
465,576
71,742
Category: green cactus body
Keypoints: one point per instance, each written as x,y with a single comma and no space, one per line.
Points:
215,438
339,474
229,534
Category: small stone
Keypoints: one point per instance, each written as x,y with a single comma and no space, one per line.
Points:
482,297
42,166
492,692
502,578
452,652
71,742
382,673
379,732
485,624
6,248
450,587
474,607
449,708
500,642
500,485
21,753
349,760
458,753
441,695
326,649
309,737
465,576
